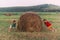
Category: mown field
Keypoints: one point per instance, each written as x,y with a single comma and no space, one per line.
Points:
53,17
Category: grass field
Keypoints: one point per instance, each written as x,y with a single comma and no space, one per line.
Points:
51,16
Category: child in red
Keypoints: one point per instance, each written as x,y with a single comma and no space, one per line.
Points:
48,24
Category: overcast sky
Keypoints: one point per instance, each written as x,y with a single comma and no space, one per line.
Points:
8,3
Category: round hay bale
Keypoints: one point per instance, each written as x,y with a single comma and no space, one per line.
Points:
29,22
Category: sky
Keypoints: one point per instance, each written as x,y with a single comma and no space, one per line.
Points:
10,3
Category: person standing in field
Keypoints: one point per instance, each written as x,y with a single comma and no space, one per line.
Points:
48,25
12,26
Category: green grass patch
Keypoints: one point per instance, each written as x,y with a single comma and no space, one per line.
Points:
51,16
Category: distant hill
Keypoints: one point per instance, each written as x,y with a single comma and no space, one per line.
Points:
38,8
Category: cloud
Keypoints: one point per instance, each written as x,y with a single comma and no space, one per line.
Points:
6,3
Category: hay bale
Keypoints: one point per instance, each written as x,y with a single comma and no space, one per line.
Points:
29,22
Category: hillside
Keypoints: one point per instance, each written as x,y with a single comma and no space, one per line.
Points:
43,7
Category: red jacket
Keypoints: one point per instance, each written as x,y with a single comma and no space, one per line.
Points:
47,23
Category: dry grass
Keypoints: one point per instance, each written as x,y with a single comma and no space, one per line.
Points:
30,36
5,35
